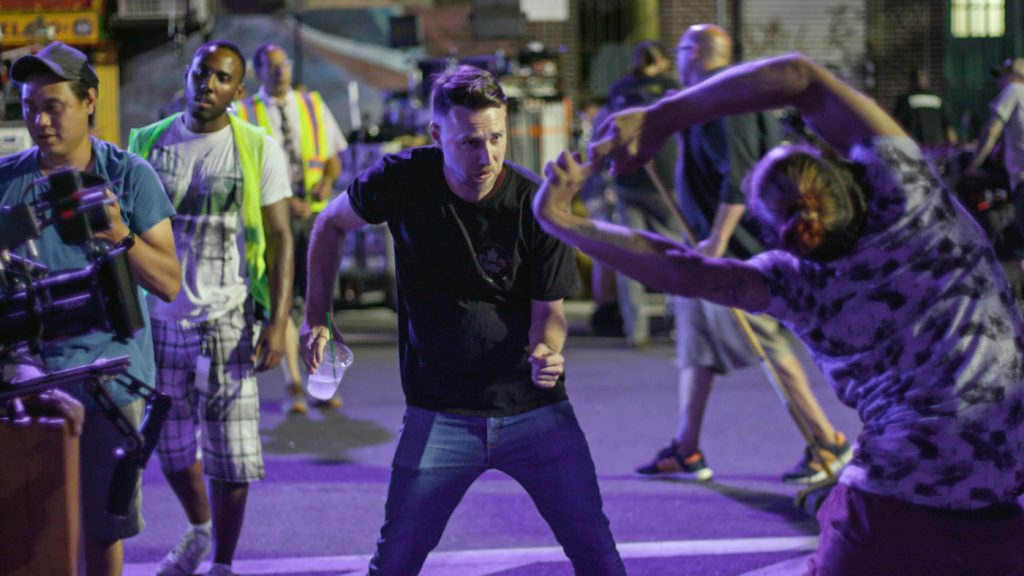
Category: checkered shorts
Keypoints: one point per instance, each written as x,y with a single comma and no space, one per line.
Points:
226,416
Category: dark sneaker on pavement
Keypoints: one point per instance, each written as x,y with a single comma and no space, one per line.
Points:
809,471
670,464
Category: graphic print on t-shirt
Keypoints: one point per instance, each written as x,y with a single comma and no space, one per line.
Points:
495,261
208,221
203,179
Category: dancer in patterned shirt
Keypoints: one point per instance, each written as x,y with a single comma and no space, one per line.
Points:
894,289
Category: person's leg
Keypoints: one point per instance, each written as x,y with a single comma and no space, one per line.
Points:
694,391
229,499
698,360
832,446
103,557
545,451
176,348
103,533
296,402
190,488
794,380
631,294
232,453
437,458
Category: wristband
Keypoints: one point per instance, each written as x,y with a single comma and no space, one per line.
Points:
128,241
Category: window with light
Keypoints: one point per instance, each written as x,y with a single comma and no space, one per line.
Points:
977,18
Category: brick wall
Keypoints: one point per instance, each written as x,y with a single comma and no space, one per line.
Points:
903,35
678,15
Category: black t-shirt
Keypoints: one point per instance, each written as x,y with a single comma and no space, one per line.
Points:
467,274
924,116
715,159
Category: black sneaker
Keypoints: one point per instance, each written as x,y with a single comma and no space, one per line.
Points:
809,471
670,464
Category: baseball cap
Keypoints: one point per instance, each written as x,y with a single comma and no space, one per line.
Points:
1014,66
58,58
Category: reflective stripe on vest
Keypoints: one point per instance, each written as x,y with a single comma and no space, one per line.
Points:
249,145
313,143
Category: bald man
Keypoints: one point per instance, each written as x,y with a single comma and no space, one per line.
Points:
715,157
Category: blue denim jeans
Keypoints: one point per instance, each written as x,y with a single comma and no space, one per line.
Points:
440,455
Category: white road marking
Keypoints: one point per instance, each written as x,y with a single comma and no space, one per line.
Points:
484,562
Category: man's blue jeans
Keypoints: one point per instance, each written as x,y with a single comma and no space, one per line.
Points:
439,455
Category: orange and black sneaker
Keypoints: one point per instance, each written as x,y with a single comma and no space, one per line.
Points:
809,470
671,464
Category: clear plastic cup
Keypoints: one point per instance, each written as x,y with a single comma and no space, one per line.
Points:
324,382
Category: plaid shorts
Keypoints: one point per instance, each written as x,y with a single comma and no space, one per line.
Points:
226,415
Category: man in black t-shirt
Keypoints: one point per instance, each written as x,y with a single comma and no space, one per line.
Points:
923,114
481,329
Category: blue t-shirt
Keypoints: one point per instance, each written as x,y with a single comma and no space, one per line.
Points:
143,205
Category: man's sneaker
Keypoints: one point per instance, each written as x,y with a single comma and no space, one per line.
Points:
220,570
332,403
295,400
186,556
670,464
809,471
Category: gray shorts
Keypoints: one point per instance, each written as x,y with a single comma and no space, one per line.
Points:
707,335
96,464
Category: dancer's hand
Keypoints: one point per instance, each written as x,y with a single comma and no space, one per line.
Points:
564,178
628,140
546,366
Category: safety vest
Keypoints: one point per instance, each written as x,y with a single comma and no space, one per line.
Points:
249,144
313,136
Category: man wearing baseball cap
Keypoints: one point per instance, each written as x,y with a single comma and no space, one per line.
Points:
1007,118
59,91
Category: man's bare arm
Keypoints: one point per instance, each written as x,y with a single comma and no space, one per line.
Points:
652,260
841,115
326,243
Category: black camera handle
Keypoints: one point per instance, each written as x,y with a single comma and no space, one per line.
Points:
136,445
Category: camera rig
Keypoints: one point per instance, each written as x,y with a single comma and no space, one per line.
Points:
37,306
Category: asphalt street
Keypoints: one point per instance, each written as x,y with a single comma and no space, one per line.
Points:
320,508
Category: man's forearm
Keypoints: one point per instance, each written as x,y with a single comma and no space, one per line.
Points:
641,256
548,326
993,130
332,169
766,84
326,244
155,270
280,272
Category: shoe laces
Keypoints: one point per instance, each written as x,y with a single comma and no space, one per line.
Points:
191,544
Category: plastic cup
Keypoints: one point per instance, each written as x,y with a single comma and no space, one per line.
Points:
323,383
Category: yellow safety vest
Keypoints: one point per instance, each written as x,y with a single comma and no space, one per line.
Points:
313,144
249,144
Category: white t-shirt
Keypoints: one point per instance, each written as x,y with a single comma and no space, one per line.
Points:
1009,107
203,178
918,331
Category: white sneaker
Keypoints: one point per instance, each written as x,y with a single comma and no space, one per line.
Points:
220,570
186,556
